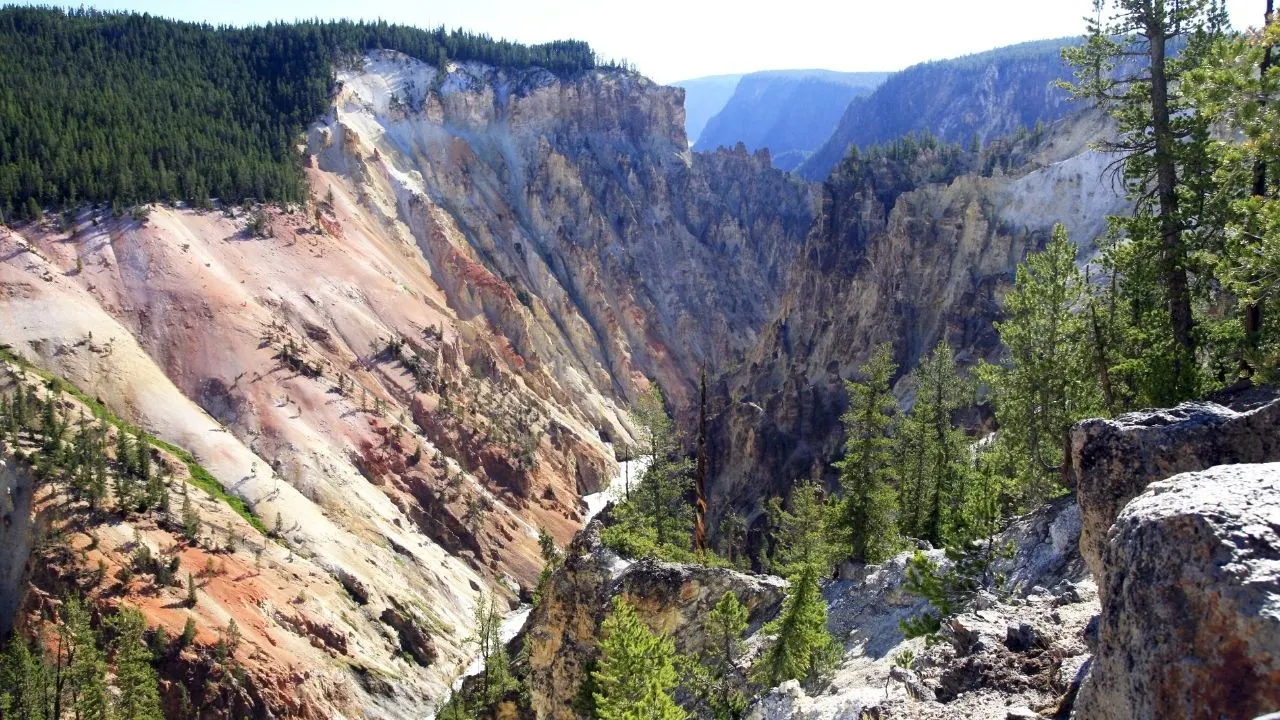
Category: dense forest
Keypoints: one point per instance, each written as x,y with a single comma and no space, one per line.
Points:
126,108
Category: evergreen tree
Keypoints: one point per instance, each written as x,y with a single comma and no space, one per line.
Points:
1163,142
636,673
1047,382
86,670
495,673
1238,89
802,647
24,682
725,627
801,532
661,492
190,518
867,472
940,449
136,680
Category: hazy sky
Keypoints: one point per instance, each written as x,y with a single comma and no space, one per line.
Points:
671,40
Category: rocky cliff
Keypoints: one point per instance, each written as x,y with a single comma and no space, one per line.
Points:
427,362
571,216
1182,623
562,634
978,97
905,252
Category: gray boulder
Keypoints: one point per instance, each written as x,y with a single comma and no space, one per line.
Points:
1113,461
1190,623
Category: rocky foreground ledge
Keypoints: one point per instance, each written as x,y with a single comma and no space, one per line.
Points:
1153,592
1190,623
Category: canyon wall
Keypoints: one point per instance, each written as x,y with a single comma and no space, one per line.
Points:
905,253
427,363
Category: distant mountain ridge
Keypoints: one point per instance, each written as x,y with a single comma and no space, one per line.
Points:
982,96
703,98
790,112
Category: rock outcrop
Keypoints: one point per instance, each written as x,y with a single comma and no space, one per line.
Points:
1190,624
562,632
1113,461
1022,646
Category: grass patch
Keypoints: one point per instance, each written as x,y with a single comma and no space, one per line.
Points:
200,477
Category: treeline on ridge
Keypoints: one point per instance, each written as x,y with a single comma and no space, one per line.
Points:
126,108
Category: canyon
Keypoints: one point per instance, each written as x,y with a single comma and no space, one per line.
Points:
408,376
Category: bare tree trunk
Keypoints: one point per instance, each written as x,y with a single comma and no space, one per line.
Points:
700,520
1173,251
1253,311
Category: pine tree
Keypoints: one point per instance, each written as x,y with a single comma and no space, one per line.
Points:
1163,142
190,518
636,674
191,592
942,448
86,669
1048,380
136,679
1238,89
188,635
725,627
142,461
867,472
24,682
661,492
802,647
495,673
801,531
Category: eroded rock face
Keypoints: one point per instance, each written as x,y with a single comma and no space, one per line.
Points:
1113,461
1190,624
17,486
899,255
563,630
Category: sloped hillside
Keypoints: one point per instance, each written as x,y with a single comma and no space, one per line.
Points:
982,97
424,363
789,112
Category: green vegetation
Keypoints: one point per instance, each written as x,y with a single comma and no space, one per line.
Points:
551,559
636,673
1182,306
655,519
70,676
125,108
198,475
1049,380
802,648
713,679
867,472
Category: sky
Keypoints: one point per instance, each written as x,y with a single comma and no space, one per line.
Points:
670,40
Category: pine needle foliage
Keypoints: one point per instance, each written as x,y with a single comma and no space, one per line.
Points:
636,675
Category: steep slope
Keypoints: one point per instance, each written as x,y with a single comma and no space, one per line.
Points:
906,254
423,365
982,96
582,195
789,112
703,98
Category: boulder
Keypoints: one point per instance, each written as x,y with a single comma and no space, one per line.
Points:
1190,623
1113,461
414,639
